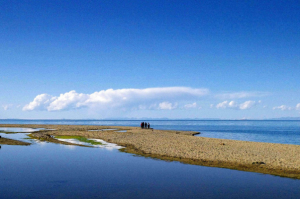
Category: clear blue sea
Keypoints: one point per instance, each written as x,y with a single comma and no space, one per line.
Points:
47,170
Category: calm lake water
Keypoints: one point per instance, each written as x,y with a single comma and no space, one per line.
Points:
46,170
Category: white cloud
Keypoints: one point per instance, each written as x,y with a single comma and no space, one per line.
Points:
7,106
287,108
193,105
247,105
222,104
167,106
240,95
116,98
68,100
232,104
40,102
282,107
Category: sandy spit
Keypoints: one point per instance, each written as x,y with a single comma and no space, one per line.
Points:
275,159
12,142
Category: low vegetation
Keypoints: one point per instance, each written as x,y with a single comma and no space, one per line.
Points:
79,138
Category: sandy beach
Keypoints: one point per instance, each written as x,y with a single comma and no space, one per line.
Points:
276,159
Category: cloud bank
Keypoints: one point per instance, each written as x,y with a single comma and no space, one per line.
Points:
167,106
240,95
234,105
282,107
287,108
111,98
189,106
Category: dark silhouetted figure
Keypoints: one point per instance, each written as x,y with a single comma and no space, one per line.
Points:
143,125
148,125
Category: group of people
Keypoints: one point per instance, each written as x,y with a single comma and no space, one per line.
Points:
145,125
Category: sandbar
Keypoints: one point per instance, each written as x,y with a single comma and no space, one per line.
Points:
12,142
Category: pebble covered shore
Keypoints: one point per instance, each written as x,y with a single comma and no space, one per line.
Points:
276,159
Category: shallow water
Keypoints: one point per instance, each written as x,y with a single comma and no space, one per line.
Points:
46,170
17,136
108,129
23,130
103,130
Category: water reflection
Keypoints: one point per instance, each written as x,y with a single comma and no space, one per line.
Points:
17,136
21,130
57,171
14,136
20,134
104,144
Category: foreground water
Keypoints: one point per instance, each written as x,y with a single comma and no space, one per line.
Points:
46,170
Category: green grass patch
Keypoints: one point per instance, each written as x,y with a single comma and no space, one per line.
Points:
79,138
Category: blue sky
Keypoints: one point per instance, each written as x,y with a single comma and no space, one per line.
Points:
175,59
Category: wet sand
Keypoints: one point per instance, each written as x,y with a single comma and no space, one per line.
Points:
276,159
12,142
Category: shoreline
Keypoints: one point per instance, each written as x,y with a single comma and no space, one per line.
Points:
275,159
8,141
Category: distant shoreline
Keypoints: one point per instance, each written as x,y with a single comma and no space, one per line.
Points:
276,159
158,119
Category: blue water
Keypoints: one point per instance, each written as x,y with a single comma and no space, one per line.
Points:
47,170
284,132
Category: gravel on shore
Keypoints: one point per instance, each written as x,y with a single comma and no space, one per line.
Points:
268,158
